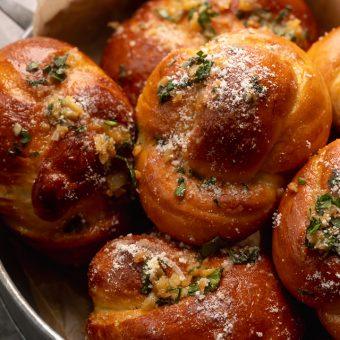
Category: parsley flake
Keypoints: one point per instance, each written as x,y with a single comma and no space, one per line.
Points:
181,187
32,67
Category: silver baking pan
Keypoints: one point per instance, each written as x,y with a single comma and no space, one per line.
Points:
44,300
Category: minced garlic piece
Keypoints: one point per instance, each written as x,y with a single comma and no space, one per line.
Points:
105,147
72,109
115,182
293,187
59,132
17,128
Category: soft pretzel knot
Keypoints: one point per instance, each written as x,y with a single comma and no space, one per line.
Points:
161,26
63,123
220,127
325,54
145,287
306,238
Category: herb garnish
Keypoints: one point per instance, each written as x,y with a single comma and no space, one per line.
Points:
164,91
334,181
213,246
36,82
323,232
202,72
301,181
181,187
57,70
110,123
204,18
146,287
24,138
283,14
213,282
247,254
208,182
169,287
204,68
131,169
32,67
180,170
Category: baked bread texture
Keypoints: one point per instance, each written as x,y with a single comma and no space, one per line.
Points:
161,26
325,54
64,125
145,287
306,239
219,130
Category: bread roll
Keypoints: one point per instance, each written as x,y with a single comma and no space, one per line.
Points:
325,54
64,123
144,287
306,239
220,128
161,26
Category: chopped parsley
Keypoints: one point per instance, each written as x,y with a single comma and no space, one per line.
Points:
213,246
110,123
36,82
57,69
129,165
162,279
241,255
334,181
205,14
301,181
32,67
213,281
283,14
17,148
209,181
259,89
180,170
276,23
203,69
323,231
146,287
165,91
77,129
25,136
181,188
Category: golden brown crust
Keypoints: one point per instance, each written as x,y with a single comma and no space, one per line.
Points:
310,275
55,173
229,137
161,26
248,303
325,54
